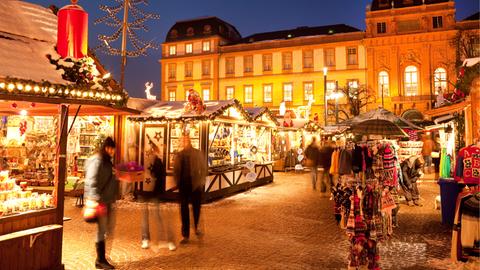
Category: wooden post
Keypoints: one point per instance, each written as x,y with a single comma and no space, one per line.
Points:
118,123
61,175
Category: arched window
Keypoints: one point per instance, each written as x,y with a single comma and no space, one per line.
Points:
411,81
440,80
383,84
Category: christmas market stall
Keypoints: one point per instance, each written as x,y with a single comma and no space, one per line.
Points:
237,148
39,89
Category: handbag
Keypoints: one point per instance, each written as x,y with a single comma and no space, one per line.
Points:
93,211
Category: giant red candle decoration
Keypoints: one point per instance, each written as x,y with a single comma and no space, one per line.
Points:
72,35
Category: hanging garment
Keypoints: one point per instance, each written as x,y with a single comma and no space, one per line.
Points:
468,165
345,162
334,165
470,226
357,159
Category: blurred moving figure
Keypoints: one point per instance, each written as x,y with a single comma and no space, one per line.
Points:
325,158
101,187
313,155
190,170
158,171
412,171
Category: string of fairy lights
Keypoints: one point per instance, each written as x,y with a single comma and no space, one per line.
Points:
113,19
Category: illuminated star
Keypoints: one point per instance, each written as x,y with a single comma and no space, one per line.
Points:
158,136
148,180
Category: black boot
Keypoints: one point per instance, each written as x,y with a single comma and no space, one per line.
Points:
101,262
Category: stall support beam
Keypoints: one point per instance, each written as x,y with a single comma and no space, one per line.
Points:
118,137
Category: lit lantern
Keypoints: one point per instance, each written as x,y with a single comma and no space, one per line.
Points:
72,35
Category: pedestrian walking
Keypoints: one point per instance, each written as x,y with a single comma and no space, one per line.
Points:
325,162
152,199
411,171
312,153
101,188
427,149
190,170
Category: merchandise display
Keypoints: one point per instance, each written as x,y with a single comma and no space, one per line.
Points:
409,148
176,132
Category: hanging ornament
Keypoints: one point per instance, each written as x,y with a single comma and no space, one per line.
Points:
14,105
72,34
32,105
461,73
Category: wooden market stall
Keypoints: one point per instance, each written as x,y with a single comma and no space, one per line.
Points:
34,82
225,132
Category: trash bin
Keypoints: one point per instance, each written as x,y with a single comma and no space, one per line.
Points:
449,190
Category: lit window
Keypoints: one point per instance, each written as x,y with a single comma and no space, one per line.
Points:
287,92
352,56
267,93
411,81
287,60
329,57
206,94
206,46
307,90
206,67
172,95
173,50
381,28
172,71
331,88
230,65
267,62
383,83
308,59
353,84
248,93
188,69
440,80
230,92
248,63
189,48
437,22
187,93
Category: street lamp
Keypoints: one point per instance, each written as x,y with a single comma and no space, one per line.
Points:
382,94
336,96
325,70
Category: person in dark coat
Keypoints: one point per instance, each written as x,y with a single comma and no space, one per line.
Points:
158,172
411,171
190,171
101,187
313,155
326,161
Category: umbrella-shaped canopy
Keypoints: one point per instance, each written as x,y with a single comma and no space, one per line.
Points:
382,114
379,127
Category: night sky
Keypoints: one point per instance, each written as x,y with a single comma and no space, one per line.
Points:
248,16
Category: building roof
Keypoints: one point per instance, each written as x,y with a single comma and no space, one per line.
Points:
473,17
387,4
202,27
300,32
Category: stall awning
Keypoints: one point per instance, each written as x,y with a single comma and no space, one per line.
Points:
381,114
257,113
448,109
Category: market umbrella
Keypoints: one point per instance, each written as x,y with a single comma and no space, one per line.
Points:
383,114
379,127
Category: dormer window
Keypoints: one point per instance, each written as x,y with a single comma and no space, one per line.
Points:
174,33
381,28
437,22
207,29
190,31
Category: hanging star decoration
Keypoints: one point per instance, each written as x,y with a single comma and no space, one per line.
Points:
158,136
113,18
148,180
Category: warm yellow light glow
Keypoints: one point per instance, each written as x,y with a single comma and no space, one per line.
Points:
90,94
44,89
60,91
20,86
102,96
79,93
23,113
97,95
2,85
66,91
11,86
109,97
73,92
28,88
51,90
106,76
85,94
325,71
36,88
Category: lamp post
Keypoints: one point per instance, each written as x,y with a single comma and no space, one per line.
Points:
325,70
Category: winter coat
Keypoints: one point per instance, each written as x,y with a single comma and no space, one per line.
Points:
410,173
326,157
190,170
158,171
312,153
101,185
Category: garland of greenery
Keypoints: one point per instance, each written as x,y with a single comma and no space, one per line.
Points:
466,75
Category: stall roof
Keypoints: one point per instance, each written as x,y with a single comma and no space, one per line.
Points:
174,111
450,109
257,113
382,114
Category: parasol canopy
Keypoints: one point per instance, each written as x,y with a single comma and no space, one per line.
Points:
380,114
379,127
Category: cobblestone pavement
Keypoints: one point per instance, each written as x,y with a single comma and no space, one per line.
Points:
283,225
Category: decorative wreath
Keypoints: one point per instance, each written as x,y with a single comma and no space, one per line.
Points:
253,150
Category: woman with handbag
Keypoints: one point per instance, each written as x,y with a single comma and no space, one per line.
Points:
101,191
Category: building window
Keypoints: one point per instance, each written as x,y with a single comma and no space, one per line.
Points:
352,56
287,92
437,22
206,67
329,57
440,80
230,65
230,92
267,93
172,71
188,69
331,88
189,48
187,93
308,91
172,95
287,60
172,50
206,94
248,93
267,62
308,59
411,81
383,83
206,46
248,63
352,84
381,28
